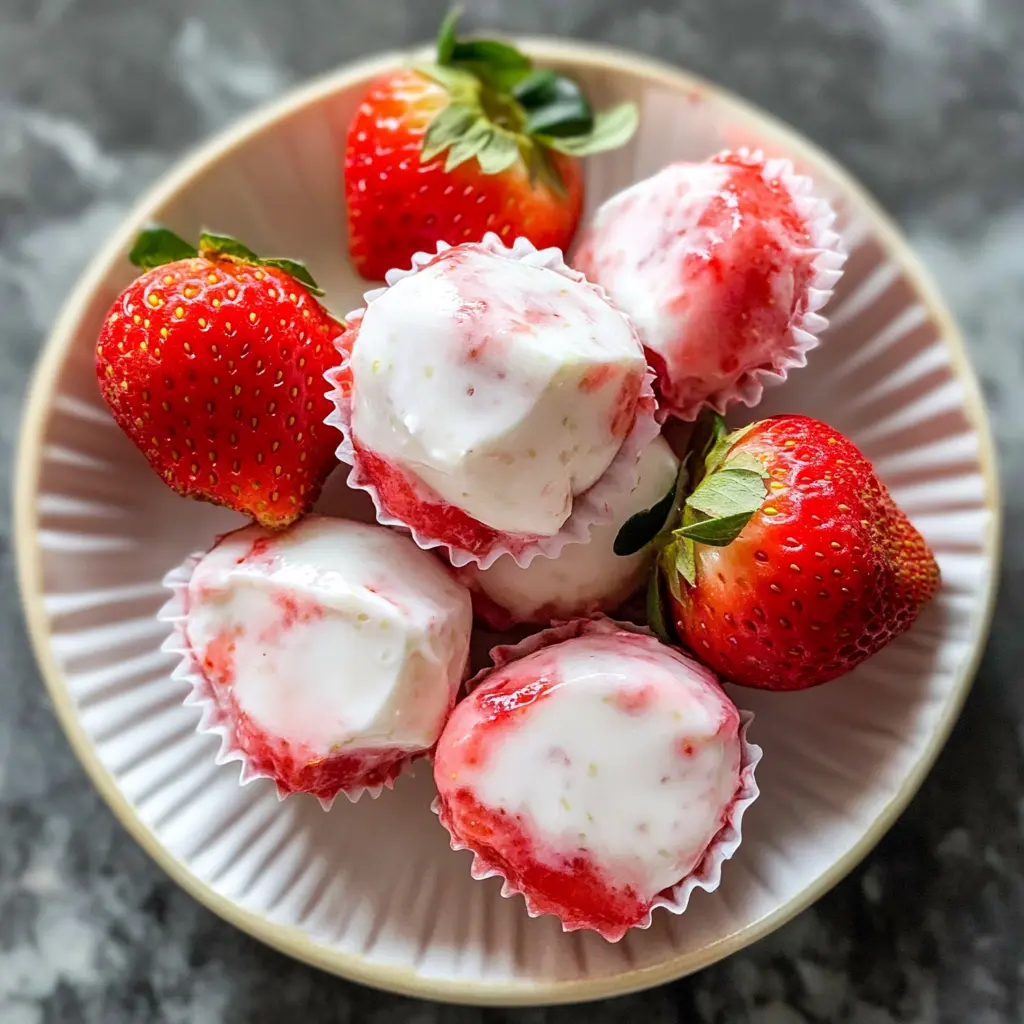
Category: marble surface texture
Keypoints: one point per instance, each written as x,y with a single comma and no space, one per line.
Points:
922,99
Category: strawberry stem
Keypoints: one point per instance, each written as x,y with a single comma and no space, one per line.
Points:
502,110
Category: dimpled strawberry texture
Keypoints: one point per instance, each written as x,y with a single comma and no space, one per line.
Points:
824,575
398,205
736,291
215,371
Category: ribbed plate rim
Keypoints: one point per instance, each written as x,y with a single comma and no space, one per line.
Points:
292,941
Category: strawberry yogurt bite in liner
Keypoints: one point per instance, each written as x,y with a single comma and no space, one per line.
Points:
599,773
723,266
584,578
492,401
326,657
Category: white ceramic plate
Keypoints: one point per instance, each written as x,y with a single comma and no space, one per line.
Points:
371,891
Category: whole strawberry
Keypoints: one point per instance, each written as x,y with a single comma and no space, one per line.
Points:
792,563
212,362
478,141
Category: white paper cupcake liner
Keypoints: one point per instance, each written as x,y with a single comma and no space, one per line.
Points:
707,875
592,508
214,720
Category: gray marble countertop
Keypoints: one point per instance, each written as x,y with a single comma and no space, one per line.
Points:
922,99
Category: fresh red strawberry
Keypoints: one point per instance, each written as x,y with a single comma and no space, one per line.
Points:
792,564
478,141
212,362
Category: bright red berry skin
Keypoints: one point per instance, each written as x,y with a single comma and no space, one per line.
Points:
214,369
398,205
826,573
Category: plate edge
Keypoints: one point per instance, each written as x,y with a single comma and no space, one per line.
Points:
292,941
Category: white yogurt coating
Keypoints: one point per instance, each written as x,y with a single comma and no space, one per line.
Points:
629,754
638,240
711,261
346,637
506,387
583,578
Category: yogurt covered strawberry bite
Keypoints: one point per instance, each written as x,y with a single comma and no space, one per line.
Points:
722,266
584,578
327,656
599,772
493,401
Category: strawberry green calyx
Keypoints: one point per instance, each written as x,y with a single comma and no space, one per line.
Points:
708,445
728,494
709,505
225,247
658,619
502,110
657,522
730,491
157,246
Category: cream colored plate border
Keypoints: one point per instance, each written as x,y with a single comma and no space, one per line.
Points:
290,940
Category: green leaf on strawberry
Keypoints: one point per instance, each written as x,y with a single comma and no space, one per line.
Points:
729,492
294,268
657,617
647,525
722,442
157,245
640,529
718,532
792,590
500,152
555,105
612,128
683,565
726,498
502,110
498,65
449,126
213,246
744,461
730,488
446,36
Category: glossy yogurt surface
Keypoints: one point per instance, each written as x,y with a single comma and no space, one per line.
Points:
712,261
499,387
334,648
583,578
593,774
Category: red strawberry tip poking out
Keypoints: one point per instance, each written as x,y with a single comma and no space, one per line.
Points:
479,140
783,562
212,363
